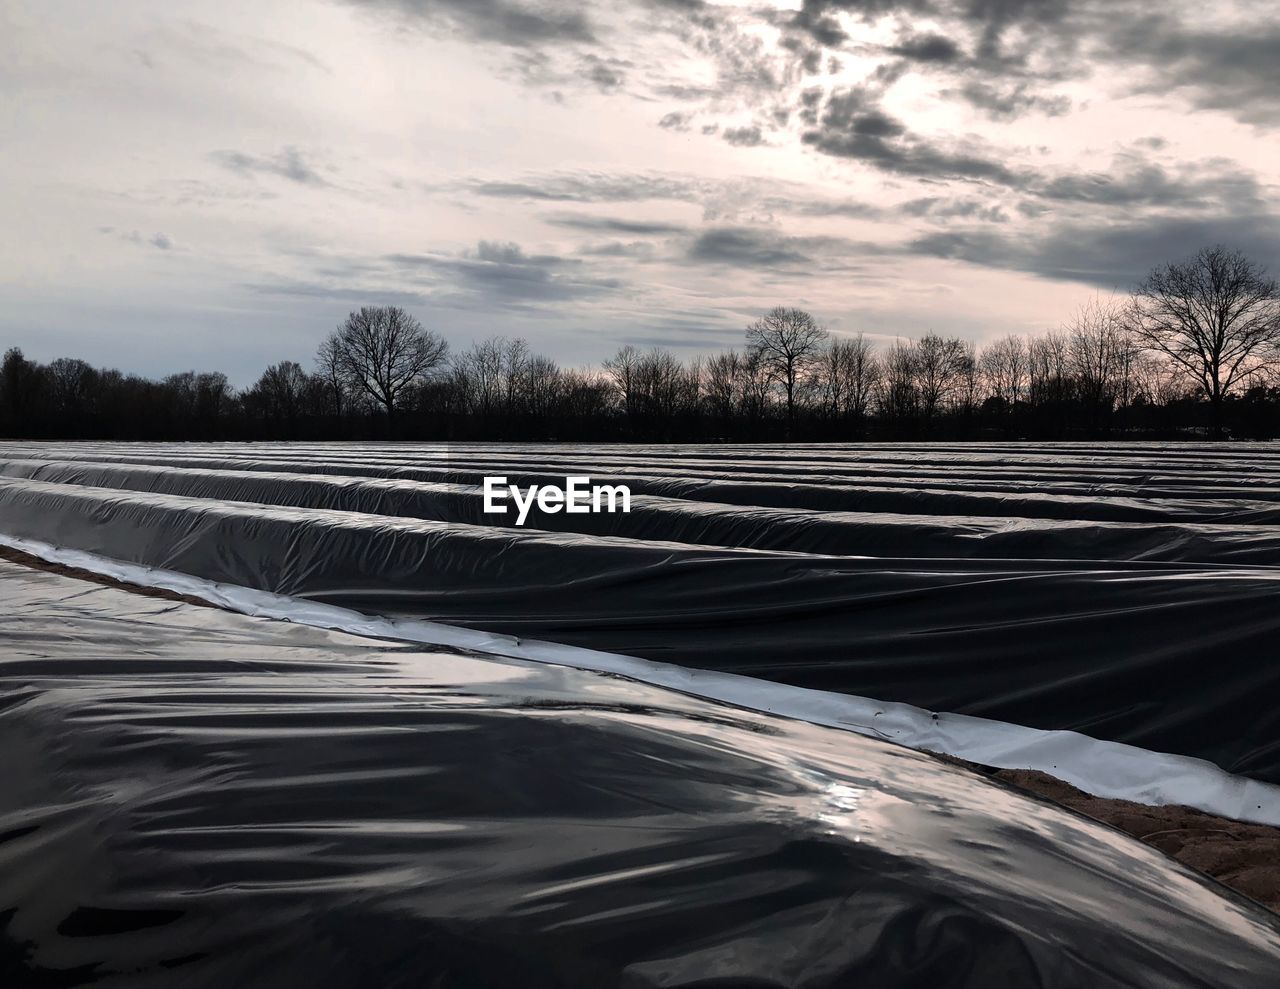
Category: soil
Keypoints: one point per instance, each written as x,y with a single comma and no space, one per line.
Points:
26,559
1244,857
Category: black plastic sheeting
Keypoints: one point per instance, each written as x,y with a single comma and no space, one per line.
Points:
198,798
1160,635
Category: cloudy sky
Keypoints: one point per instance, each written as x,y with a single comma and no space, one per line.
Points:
215,184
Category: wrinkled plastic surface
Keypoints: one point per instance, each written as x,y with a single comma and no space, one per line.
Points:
1158,634
198,798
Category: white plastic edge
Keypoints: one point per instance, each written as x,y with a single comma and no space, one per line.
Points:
1105,769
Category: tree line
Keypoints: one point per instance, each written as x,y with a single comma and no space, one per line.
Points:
1193,350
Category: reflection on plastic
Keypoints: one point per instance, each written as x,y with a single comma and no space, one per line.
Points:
202,799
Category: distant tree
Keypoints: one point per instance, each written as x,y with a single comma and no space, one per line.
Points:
73,384
899,397
722,382
788,343
19,383
1098,355
845,375
1216,317
1003,367
940,370
385,351
623,369
331,368
1048,373
281,393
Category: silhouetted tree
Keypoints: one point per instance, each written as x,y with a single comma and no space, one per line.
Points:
788,343
385,351
1216,317
331,367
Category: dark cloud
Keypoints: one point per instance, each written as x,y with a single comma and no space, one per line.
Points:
819,18
770,248
927,48
606,74
289,163
506,22
589,188
1133,180
743,137
939,208
499,274
1236,70
852,126
676,121
1009,102
615,225
637,250
1107,255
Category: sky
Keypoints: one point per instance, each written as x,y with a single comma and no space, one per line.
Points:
215,185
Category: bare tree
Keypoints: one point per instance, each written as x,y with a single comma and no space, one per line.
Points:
623,368
1003,366
543,386
282,389
1048,376
332,369
1216,317
73,382
899,396
940,366
1097,353
385,351
845,374
788,342
723,384
754,396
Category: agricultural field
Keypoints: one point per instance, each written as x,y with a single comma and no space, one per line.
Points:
332,709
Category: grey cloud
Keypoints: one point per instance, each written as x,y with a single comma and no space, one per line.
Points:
160,241
927,48
818,18
615,225
345,294
1006,103
1236,70
636,249
606,74
769,248
1215,184
502,274
289,163
506,22
936,207
589,187
744,247
852,126
684,93
1115,255
675,121
743,137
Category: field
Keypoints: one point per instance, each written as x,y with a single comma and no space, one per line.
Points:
606,713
